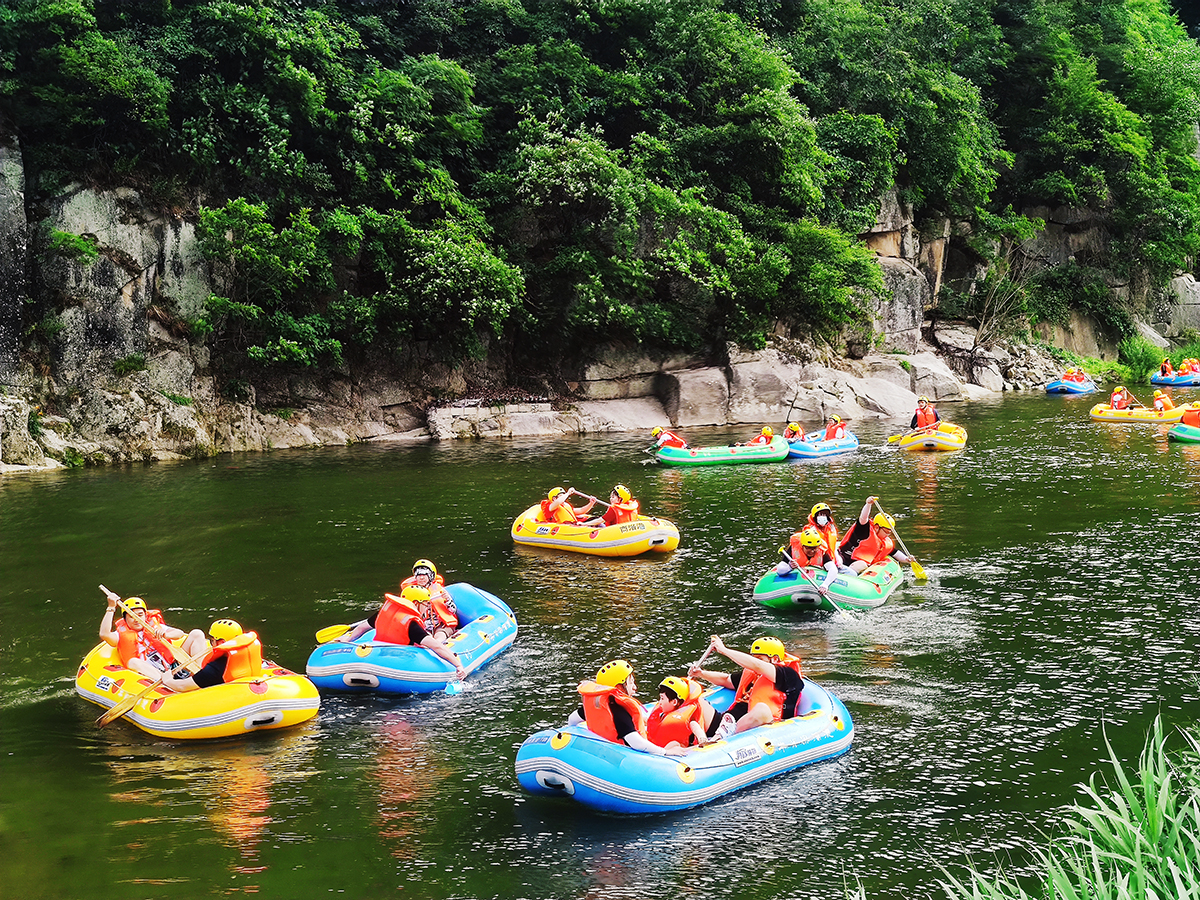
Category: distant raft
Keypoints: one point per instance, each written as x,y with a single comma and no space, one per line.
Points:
276,698
795,592
1188,379
574,763
945,437
1185,434
814,446
1102,412
775,451
626,539
487,628
1066,386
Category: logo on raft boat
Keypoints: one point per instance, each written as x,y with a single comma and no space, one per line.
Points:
104,683
633,526
743,756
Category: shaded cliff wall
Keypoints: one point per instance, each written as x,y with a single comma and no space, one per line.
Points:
13,247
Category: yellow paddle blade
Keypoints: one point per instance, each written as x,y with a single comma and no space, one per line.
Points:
895,437
331,632
918,571
119,709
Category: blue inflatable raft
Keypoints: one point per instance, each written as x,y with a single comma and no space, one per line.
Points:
814,446
573,762
487,628
1064,386
1191,379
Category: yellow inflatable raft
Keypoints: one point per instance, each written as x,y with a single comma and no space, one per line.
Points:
629,539
275,699
946,437
1102,412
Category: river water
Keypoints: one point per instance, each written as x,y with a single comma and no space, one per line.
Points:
1061,609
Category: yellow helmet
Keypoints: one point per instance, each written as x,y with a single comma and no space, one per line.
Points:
883,520
794,426
1119,389
768,646
810,537
613,673
922,399
836,420
677,686
768,431
424,564
818,508
553,492
224,629
134,603
623,493
414,595
1158,393
655,431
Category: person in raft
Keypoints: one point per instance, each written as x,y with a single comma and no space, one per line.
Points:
622,508
925,416
835,429
681,715
664,437
439,615
1120,399
793,432
763,437
821,518
145,643
768,689
555,507
235,654
870,542
1162,403
1165,369
807,548
398,621
611,710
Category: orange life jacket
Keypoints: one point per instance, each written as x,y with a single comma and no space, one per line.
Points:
1165,369
245,656
754,688
835,432
391,625
805,556
1118,401
829,533
874,548
439,599
620,513
133,644
1191,417
1163,403
674,726
756,441
598,714
565,513
926,416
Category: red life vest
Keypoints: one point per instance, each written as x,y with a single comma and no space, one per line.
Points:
564,514
874,548
754,689
245,656
620,513
439,600
756,441
598,714
132,644
835,432
391,625
1163,403
926,416
1165,368
674,726
671,439
1118,401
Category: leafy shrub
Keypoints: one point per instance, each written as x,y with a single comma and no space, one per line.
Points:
127,365
177,399
77,247
33,422
1141,356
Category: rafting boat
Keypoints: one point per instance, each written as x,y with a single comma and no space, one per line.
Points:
486,629
814,446
575,763
846,591
625,539
1189,379
276,698
945,437
1185,434
775,451
1066,386
1102,412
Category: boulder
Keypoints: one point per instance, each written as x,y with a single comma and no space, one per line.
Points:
900,309
17,445
760,387
1184,313
695,396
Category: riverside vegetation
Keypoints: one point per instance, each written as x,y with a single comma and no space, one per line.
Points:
523,181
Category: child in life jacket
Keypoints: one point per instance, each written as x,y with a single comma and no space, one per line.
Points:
664,437
235,654
1162,403
611,710
681,716
807,548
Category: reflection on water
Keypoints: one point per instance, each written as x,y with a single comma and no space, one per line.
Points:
1061,608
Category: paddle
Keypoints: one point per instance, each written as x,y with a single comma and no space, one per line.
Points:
823,591
917,569
119,709
332,633
141,620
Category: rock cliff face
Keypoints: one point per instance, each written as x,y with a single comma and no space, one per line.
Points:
121,379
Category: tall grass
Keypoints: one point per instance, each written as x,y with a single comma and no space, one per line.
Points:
1137,836
1142,357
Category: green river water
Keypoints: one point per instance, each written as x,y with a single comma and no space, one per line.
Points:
1062,606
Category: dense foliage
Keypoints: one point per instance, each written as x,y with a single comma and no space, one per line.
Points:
678,174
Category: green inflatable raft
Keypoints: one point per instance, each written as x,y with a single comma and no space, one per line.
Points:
1186,434
776,451
794,591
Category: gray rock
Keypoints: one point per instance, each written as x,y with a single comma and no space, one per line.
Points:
14,238
695,396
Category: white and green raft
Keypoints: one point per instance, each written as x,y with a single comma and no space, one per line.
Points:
846,591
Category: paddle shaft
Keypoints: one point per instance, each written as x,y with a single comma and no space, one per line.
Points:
918,569
124,706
